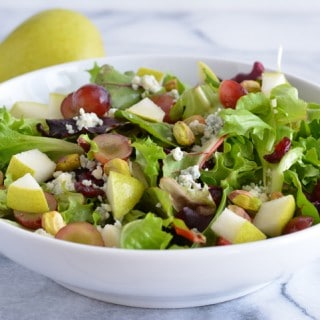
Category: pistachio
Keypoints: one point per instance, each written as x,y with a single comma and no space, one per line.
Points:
251,85
276,195
183,134
68,163
117,164
239,211
193,118
245,200
196,123
52,222
171,84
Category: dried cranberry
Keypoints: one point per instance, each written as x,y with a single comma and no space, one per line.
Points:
89,191
254,74
87,184
280,149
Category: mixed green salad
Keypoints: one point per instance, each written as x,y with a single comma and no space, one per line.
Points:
142,160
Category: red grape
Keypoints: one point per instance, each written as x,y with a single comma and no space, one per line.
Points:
68,110
90,97
165,102
229,93
112,145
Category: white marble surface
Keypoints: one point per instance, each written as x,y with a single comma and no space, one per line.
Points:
242,30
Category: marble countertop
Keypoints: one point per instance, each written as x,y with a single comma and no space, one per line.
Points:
244,30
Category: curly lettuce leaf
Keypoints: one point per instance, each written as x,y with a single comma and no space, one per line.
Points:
145,233
201,100
305,206
148,154
73,208
160,130
158,201
13,142
236,166
22,125
118,85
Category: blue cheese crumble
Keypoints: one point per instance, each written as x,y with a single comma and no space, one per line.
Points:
177,154
63,181
148,82
188,178
214,124
87,120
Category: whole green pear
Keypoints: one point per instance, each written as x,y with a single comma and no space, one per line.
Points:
47,38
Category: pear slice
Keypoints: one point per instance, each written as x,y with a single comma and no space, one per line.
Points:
25,194
158,75
33,161
236,229
29,109
123,193
55,100
273,215
37,110
206,74
148,110
269,80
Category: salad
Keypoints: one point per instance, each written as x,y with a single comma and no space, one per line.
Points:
142,160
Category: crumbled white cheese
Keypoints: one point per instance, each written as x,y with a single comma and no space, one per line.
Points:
213,124
43,232
136,82
174,93
257,191
86,182
104,209
177,154
111,234
98,172
148,82
188,177
63,181
86,163
69,128
87,120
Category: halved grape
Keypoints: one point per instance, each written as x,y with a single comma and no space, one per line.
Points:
112,145
80,232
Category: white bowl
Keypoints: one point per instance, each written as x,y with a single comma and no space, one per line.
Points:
150,278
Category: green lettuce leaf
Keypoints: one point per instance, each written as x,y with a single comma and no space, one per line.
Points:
73,208
201,100
305,206
236,166
145,233
148,155
13,142
4,210
159,130
118,85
